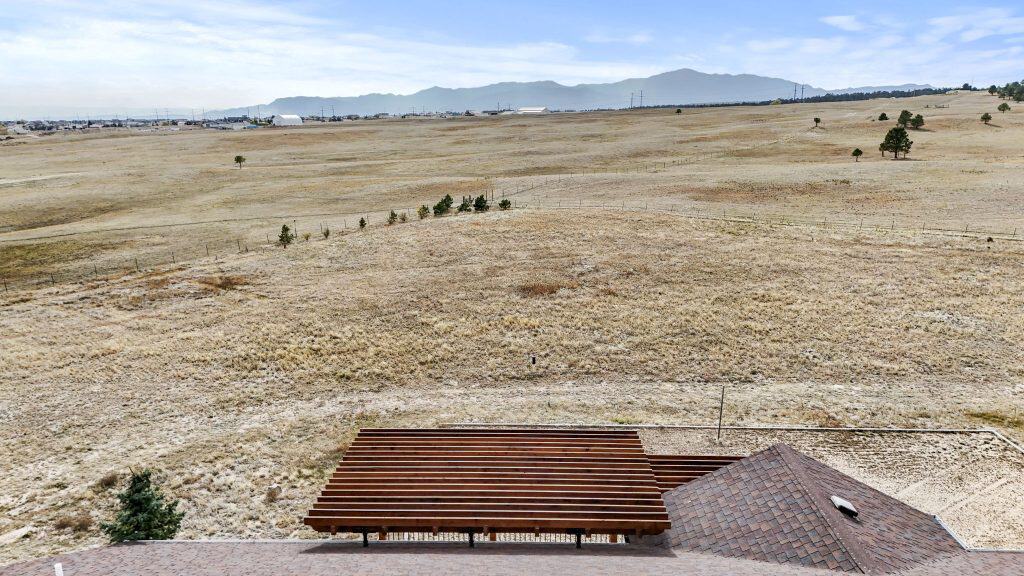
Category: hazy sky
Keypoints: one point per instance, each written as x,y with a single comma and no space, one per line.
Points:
63,56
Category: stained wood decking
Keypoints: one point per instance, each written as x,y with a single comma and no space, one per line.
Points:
493,480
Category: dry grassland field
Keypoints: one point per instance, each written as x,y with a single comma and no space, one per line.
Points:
248,369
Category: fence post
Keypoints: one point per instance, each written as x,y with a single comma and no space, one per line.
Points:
207,249
6,289
721,409
137,264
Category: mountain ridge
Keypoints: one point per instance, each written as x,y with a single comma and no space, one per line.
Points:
675,87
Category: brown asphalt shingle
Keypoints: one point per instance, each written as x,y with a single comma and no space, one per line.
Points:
322,558
775,506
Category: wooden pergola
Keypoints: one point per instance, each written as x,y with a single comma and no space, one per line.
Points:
489,481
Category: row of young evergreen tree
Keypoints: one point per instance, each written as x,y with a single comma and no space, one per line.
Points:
468,204
444,206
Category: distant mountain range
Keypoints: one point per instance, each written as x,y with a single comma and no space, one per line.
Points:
677,87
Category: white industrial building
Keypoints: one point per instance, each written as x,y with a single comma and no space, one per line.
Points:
534,110
287,120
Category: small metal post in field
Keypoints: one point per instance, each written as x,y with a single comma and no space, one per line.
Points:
95,270
207,249
172,258
53,280
721,409
137,264
6,289
239,242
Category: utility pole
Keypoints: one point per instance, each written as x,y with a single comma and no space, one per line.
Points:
794,90
641,98
630,99
802,92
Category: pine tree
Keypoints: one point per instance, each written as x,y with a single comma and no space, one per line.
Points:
505,204
442,207
916,122
896,141
480,204
857,153
904,118
285,237
883,117
986,117
362,223
392,218
423,211
1004,107
145,514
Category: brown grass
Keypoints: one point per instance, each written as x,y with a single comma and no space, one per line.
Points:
633,316
76,523
222,283
546,288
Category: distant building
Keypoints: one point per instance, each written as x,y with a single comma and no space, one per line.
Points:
287,120
534,110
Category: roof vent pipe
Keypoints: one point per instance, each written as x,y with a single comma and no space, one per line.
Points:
844,506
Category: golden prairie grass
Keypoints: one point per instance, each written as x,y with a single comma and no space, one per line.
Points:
239,372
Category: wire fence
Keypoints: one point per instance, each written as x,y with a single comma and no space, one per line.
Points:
522,192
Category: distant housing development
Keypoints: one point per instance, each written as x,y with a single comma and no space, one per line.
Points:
534,110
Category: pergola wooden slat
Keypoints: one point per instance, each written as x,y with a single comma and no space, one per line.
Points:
672,470
493,480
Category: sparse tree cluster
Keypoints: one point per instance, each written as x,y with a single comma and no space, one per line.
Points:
1012,91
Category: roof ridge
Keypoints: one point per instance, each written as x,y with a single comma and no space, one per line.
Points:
844,537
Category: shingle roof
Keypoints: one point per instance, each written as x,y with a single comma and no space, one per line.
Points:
775,506
334,558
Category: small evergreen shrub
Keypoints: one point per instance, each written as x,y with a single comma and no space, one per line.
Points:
442,207
480,204
505,204
392,218
144,514
423,212
285,237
